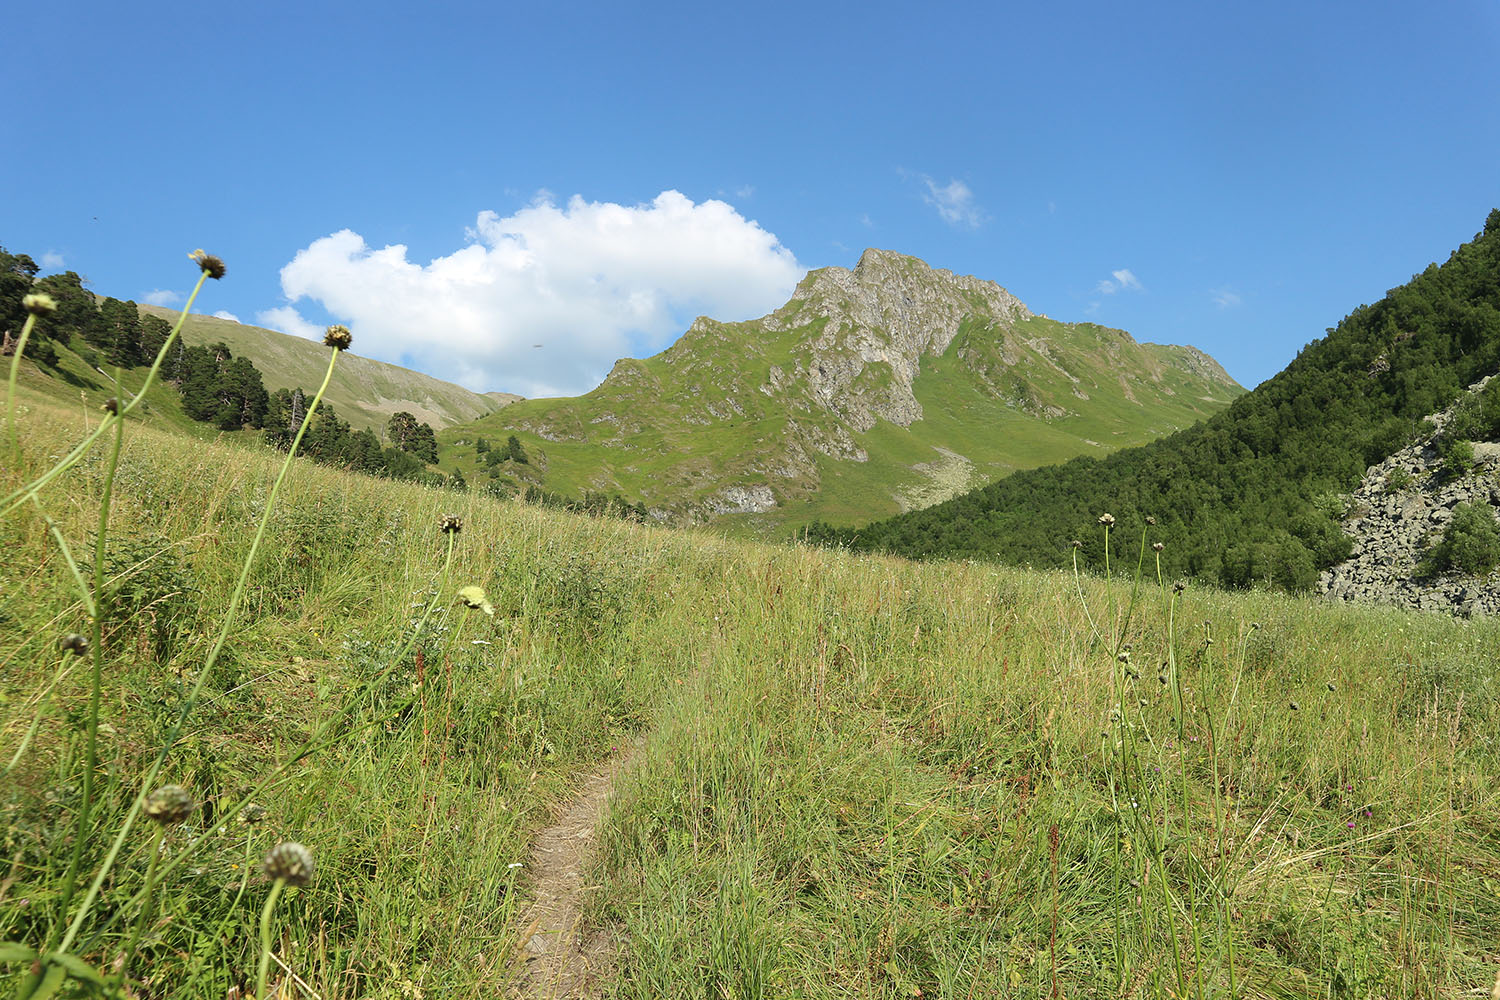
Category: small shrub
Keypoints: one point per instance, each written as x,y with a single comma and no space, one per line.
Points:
1470,543
1458,455
1397,480
1489,412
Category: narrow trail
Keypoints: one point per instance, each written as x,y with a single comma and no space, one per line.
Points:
560,960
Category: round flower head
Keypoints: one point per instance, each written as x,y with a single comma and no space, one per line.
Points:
169,804
338,337
1077,544
211,265
289,862
451,524
111,405
39,304
475,597
1151,520
1107,520
74,643
1178,587
252,814
1157,546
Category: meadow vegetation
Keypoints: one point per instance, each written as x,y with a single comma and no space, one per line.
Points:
853,775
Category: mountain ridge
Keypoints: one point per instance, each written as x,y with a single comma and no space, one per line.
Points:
879,367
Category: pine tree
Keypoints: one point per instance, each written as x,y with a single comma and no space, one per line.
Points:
424,444
514,451
76,313
400,429
153,334
119,332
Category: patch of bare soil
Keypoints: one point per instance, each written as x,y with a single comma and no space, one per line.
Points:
563,960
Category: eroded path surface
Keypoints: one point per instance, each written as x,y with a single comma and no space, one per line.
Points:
561,961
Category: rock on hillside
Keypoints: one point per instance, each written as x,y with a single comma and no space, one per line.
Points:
862,395
890,311
1399,512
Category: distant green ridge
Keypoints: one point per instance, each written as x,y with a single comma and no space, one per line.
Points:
365,392
888,387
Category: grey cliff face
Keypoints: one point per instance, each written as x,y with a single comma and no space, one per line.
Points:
882,318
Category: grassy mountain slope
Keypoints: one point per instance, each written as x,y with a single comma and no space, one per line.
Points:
364,392
1252,493
871,391
79,390
855,775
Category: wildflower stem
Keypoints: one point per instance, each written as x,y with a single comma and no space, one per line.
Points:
203,672
1135,588
1109,589
96,683
148,907
10,395
265,938
1078,582
87,600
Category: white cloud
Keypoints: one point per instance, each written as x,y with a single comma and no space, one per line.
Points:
1224,298
162,297
745,191
51,260
1123,279
866,221
226,314
589,281
954,203
288,320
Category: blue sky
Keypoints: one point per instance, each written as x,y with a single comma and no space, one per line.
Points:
587,177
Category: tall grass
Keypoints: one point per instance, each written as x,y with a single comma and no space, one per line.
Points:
1265,796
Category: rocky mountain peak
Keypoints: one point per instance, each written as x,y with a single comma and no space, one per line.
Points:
885,314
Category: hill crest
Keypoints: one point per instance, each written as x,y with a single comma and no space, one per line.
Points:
365,392
905,370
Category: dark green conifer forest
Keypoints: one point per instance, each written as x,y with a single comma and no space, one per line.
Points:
1251,494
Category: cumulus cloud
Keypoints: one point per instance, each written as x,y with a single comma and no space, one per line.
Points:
954,203
1121,280
589,282
288,320
226,314
1224,298
162,297
51,260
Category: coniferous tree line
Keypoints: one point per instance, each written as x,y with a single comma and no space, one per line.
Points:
1251,494
216,387
114,332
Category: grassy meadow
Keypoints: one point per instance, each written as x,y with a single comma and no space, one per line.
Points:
851,776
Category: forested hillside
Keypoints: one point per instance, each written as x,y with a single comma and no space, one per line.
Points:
1251,493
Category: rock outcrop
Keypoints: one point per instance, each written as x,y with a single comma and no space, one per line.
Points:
1396,516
